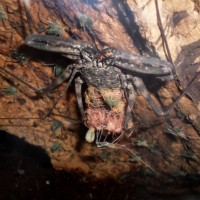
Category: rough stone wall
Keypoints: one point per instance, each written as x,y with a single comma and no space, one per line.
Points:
128,25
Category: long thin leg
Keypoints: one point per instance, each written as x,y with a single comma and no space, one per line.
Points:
65,90
131,100
130,97
143,90
59,80
184,92
78,89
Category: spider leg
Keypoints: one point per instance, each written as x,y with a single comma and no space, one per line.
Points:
86,55
130,95
56,83
143,90
78,88
131,99
59,80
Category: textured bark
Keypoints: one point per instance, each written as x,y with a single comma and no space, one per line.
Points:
128,25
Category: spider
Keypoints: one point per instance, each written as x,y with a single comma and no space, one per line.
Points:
109,68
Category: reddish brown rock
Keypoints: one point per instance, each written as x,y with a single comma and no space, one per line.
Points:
128,25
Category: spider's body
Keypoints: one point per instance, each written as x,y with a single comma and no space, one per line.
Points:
101,76
115,69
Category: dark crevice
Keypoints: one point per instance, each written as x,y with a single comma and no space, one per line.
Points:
127,19
13,145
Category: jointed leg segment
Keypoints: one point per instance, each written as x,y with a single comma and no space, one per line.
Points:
131,100
59,80
78,89
65,75
143,90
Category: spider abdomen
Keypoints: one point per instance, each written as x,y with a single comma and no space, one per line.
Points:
101,77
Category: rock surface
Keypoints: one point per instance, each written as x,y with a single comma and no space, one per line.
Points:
158,147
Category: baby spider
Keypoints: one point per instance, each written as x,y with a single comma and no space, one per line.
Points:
175,131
